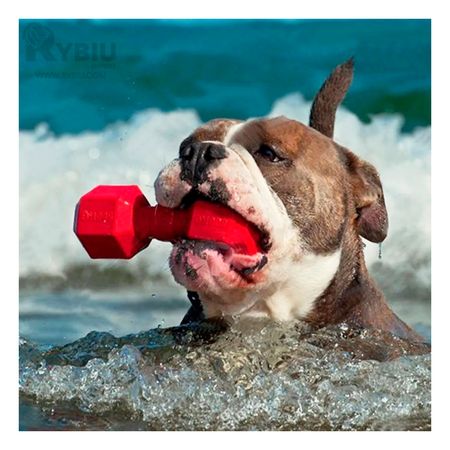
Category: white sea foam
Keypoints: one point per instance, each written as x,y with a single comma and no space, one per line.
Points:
56,170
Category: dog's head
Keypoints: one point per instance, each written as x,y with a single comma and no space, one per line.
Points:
300,189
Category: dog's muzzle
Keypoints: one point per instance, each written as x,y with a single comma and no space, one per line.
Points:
213,172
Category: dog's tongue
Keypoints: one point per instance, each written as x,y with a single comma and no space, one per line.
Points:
215,222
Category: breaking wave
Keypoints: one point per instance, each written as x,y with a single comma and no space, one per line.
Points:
56,170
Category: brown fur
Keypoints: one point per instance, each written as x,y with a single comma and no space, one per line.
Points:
215,130
327,191
333,198
312,167
329,97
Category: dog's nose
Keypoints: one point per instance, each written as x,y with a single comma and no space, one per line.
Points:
197,158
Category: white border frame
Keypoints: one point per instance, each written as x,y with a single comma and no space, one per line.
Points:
231,9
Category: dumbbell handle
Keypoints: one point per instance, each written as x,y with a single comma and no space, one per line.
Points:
161,223
202,220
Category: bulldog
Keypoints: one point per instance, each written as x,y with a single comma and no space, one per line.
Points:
311,199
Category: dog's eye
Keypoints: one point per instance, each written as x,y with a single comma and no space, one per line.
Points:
268,153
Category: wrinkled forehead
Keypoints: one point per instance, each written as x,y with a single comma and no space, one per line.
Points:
215,130
278,132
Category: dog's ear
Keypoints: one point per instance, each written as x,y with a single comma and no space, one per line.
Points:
371,215
329,97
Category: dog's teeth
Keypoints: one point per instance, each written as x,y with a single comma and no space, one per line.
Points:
265,243
263,262
249,271
256,267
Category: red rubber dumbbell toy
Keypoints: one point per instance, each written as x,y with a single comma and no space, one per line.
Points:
118,222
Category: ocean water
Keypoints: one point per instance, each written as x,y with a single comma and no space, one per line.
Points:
87,120
250,375
83,75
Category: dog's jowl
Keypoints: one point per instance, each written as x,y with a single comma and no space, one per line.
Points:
312,201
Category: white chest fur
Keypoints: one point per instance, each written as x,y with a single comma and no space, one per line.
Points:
306,280
290,291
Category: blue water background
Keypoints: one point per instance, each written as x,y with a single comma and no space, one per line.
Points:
220,68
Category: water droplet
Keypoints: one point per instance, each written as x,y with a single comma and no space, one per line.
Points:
41,130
